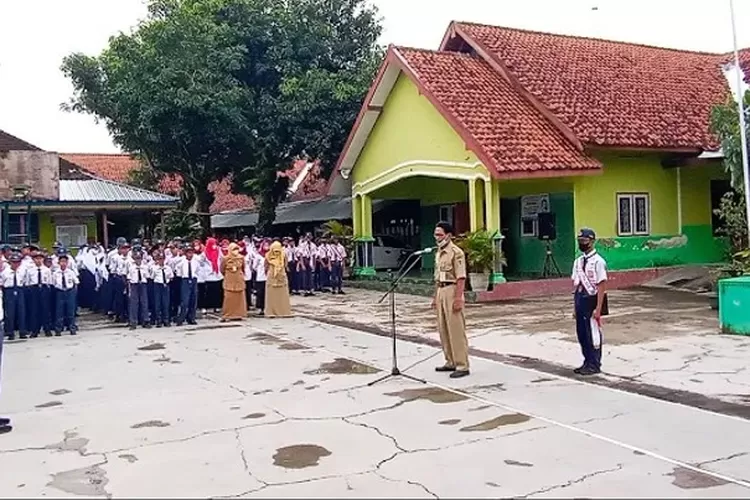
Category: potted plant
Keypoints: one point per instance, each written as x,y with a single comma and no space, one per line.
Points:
479,247
345,235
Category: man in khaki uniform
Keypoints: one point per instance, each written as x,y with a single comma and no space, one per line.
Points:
450,279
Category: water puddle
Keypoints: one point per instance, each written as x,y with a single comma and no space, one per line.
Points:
502,420
299,456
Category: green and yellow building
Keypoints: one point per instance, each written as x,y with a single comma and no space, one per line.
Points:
500,125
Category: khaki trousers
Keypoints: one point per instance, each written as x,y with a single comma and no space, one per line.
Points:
452,328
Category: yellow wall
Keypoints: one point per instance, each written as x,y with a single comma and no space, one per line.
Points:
48,231
596,195
696,193
410,130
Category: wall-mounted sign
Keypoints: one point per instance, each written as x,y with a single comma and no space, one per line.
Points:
533,205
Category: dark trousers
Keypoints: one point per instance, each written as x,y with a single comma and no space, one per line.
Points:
584,308
337,275
151,300
38,309
291,272
175,289
14,306
87,289
119,298
65,310
249,293
260,295
105,297
138,304
306,279
161,304
188,300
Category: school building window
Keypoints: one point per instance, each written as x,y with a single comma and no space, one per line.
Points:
633,215
529,227
23,228
72,236
446,214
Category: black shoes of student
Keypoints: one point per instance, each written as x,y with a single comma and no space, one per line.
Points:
58,334
587,370
192,322
4,421
459,374
23,336
4,429
47,334
442,369
74,333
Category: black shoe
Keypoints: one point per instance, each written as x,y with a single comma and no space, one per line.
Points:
445,369
34,335
192,322
47,334
74,332
4,429
459,374
58,334
158,325
179,323
147,325
132,327
341,292
4,421
23,336
578,370
12,336
589,371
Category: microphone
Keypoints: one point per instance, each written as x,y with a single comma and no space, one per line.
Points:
424,251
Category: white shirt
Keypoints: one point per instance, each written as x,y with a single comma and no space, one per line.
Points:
119,265
33,274
208,273
249,258
594,273
70,281
10,278
338,252
137,273
259,266
188,268
291,254
161,274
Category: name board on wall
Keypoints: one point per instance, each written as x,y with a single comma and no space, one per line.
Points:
533,205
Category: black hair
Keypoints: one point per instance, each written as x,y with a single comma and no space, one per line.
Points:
445,226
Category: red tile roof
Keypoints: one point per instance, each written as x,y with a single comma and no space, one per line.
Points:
514,135
609,93
116,167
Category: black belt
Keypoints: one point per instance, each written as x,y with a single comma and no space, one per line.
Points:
443,284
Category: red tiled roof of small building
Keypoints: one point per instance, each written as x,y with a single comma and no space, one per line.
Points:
513,134
612,93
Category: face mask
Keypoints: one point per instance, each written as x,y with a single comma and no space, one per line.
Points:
583,247
442,243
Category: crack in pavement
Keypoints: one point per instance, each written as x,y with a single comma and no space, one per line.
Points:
595,419
723,459
572,482
413,483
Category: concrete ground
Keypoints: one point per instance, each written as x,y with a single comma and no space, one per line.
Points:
660,342
282,408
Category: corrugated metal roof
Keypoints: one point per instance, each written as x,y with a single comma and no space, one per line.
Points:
103,191
320,210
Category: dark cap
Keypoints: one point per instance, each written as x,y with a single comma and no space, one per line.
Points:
15,257
587,233
62,252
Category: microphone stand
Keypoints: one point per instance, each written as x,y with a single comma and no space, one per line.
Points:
395,371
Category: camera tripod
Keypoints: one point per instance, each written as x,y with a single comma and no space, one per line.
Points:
550,268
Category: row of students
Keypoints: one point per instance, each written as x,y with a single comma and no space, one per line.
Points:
39,294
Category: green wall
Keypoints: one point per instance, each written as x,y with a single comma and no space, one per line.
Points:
526,254
668,244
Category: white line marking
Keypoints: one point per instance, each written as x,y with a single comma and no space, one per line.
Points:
550,421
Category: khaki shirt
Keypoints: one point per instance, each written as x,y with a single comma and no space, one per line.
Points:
450,264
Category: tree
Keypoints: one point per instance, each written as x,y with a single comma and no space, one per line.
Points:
167,92
240,88
309,79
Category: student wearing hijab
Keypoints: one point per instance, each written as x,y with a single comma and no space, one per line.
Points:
233,270
277,283
211,276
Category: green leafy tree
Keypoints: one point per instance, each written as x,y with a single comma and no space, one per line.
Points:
725,123
212,88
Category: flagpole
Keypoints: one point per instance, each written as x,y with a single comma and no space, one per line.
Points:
741,108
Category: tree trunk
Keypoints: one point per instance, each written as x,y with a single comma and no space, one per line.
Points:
203,200
266,213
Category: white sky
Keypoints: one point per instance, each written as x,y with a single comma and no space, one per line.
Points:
36,34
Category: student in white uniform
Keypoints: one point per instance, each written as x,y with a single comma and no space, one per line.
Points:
14,301
65,281
590,292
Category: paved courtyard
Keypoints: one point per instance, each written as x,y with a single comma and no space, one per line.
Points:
281,408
